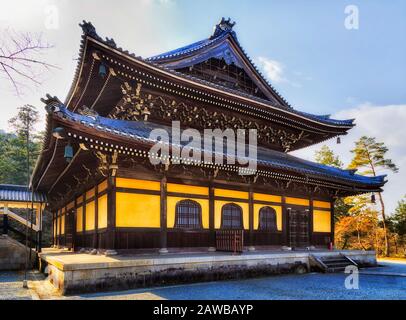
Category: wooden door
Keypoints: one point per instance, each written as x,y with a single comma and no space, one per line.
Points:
298,228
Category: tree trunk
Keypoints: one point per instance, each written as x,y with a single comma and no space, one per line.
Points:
385,230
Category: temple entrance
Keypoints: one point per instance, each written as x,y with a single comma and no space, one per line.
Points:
298,228
69,228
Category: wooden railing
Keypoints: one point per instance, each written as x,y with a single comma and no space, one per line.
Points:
230,240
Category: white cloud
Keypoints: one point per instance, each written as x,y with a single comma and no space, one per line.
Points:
386,124
273,69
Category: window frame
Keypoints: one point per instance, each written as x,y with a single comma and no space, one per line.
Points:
272,211
178,226
224,208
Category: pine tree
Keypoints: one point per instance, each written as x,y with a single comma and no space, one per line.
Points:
327,157
369,158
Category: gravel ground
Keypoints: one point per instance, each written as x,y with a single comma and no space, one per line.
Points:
374,285
11,286
385,282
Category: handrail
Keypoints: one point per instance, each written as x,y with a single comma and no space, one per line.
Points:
20,219
318,262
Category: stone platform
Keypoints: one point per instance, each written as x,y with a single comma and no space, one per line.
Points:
82,272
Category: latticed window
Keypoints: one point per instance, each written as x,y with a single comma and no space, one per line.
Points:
231,216
188,215
267,219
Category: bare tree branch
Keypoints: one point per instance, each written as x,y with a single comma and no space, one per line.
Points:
21,59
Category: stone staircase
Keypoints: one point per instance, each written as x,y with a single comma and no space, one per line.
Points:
332,263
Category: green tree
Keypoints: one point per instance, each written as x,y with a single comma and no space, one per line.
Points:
327,157
369,158
18,147
398,220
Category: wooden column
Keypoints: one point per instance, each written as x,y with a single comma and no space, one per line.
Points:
96,218
75,219
111,213
285,223
163,214
84,219
5,222
251,220
212,230
60,227
311,221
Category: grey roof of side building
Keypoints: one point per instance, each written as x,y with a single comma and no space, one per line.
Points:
140,131
19,193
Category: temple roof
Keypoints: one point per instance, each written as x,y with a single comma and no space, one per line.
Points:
162,64
19,193
139,132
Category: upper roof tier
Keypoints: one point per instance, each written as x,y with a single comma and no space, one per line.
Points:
213,77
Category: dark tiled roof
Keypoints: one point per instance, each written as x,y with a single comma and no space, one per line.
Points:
11,192
89,30
140,131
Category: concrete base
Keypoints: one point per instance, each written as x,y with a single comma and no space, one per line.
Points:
74,273
163,251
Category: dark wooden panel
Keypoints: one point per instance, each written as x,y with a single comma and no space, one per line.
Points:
266,238
137,239
183,238
321,238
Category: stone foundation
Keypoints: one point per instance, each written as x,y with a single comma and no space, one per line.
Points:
75,273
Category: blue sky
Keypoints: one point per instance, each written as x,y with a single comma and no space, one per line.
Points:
303,48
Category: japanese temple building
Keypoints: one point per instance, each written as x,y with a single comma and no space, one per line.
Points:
104,192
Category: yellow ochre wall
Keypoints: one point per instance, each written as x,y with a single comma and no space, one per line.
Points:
171,209
90,216
267,197
182,188
138,184
278,210
79,219
102,212
137,210
321,204
321,221
230,193
297,201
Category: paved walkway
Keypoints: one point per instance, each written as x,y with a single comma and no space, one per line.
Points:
385,282
11,287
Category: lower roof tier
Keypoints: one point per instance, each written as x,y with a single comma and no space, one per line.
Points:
132,139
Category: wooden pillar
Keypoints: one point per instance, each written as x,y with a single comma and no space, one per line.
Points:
251,220
111,214
212,230
84,220
39,233
163,218
285,224
5,222
311,221
96,218
60,227
75,219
